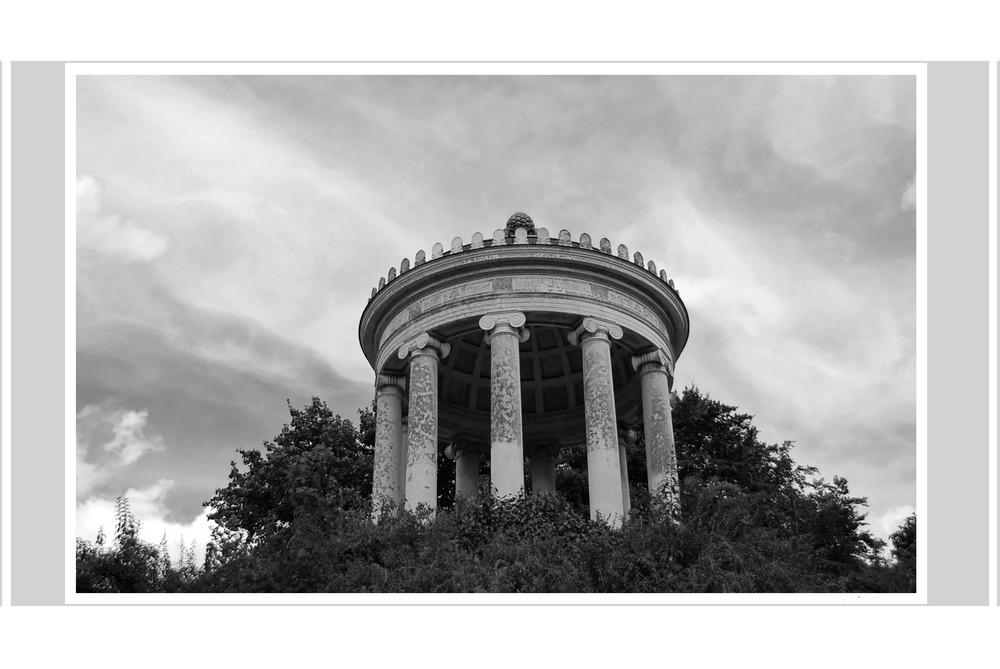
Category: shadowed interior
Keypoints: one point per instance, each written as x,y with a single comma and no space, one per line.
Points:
552,401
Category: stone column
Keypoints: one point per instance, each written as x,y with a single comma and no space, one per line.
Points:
623,468
422,438
626,438
543,469
661,460
466,470
388,439
402,461
603,459
503,334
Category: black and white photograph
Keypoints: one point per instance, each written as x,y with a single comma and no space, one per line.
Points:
497,333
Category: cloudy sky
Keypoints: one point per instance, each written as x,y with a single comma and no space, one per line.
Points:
230,230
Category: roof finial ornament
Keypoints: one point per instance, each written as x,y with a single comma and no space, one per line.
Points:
520,220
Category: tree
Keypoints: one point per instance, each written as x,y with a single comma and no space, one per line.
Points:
295,517
714,442
904,550
128,565
318,460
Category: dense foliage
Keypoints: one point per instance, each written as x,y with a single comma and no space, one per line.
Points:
129,564
296,518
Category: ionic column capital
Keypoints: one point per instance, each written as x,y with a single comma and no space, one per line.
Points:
424,344
389,383
498,323
591,327
655,360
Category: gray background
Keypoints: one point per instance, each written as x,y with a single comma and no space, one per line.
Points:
958,411
958,333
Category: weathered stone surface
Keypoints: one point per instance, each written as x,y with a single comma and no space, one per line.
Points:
639,259
543,235
388,445
437,250
422,435
661,458
404,266
585,241
564,238
603,458
623,252
499,238
519,221
605,245
456,245
477,240
420,259
392,274
506,438
551,285
424,352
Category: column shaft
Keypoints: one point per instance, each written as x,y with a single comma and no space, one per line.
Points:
388,437
626,493
543,473
466,475
603,460
661,460
422,436
403,460
506,438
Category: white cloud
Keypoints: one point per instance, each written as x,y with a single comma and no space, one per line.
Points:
131,438
108,234
129,443
889,521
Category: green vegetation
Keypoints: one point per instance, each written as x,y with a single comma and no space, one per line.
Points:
296,518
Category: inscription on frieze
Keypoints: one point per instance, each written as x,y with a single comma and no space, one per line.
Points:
628,303
546,284
456,293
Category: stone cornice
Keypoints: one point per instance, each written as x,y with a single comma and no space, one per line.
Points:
501,239
528,262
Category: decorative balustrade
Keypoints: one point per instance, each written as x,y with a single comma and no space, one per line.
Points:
522,236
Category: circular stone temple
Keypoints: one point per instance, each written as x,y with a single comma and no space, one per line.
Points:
513,347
